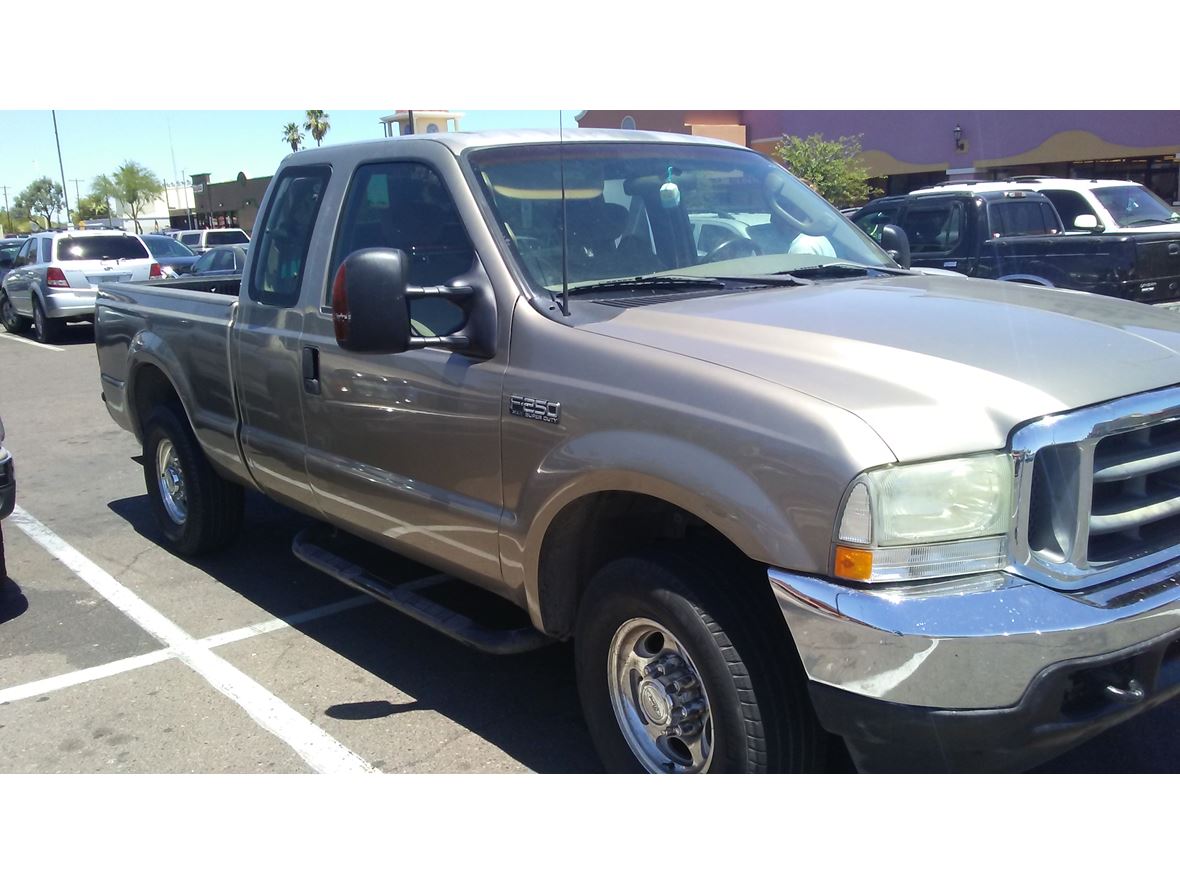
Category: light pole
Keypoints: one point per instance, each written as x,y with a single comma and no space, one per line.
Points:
8,214
61,168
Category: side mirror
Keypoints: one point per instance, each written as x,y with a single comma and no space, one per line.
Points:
1088,222
895,242
371,307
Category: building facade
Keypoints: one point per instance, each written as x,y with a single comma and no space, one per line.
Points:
905,150
227,203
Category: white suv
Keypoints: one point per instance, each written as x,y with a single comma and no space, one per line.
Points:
56,276
201,241
1114,205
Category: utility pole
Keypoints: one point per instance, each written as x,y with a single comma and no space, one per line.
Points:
4,187
61,168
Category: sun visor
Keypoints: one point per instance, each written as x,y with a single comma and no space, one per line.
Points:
533,181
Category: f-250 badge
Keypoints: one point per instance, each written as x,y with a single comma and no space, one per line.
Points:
537,409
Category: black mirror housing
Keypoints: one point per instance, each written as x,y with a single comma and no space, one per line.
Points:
370,310
895,242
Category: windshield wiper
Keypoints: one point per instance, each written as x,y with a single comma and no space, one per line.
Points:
652,282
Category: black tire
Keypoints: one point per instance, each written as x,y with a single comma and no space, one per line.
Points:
761,715
46,330
213,505
3,564
17,325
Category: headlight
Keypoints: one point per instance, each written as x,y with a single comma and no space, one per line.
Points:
931,520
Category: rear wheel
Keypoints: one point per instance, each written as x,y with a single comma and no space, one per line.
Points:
197,510
681,670
11,320
45,329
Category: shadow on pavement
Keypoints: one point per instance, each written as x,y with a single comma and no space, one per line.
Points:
526,705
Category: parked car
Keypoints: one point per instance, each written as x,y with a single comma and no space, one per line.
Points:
1105,205
201,241
56,276
7,494
175,258
1007,232
220,260
8,249
769,496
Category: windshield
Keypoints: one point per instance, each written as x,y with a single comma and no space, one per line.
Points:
1135,205
166,247
635,209
106,248
9,250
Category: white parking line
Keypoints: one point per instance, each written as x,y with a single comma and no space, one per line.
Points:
78,677
8,336
315,746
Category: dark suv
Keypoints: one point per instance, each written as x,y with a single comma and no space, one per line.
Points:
999,230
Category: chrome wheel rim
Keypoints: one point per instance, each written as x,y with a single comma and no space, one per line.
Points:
170,477
659,699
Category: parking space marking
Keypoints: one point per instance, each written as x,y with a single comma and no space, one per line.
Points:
78,677
10,337
315,746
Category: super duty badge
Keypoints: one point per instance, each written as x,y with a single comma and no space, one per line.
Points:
537,409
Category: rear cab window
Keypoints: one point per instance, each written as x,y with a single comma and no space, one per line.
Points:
83,248
193,239
226,238
280,252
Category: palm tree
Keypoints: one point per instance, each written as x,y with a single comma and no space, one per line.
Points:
292,136
317,124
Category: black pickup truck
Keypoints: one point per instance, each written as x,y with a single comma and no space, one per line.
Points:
998,231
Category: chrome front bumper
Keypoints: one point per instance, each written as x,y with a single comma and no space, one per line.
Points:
62,303
971,643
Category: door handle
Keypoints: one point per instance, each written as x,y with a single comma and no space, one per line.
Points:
311,370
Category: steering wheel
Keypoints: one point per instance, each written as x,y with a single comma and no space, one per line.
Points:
734,247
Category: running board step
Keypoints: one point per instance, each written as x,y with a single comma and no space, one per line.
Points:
312,546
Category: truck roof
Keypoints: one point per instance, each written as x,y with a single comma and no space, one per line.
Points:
458,142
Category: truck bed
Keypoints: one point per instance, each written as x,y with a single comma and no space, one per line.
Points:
185,325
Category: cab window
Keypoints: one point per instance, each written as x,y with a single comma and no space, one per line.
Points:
277,270
406,205
935,228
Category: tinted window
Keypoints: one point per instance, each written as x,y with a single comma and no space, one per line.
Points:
1069,205
82,248
286,233
166,247
406,206
934,227
9,250
1021,218
226,237
872,222
204,263
47,250
224,260
193,239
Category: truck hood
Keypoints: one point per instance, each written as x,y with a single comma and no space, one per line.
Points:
935,365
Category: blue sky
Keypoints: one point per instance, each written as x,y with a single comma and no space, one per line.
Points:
221,143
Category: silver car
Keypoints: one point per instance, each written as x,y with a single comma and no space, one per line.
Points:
55,276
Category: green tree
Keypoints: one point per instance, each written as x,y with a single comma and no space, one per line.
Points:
41,199
134,186
292,136
93,205
832,168
317,124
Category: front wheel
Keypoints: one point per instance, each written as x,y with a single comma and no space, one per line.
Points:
196,509
681,669
11,320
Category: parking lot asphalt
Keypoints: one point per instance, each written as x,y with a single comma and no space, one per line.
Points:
117,656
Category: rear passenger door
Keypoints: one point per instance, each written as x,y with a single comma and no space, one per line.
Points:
267,367
405,448
18,283
939,231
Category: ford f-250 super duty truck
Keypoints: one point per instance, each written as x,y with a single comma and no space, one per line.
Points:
783,490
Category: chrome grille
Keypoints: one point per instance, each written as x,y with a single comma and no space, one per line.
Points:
1135,504
1098,491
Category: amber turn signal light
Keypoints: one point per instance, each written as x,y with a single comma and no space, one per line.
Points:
854,564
